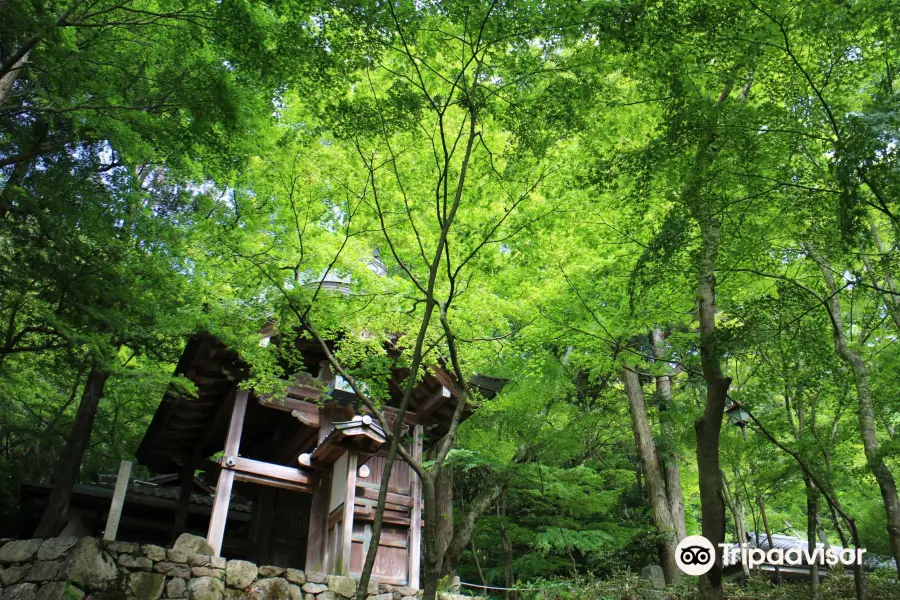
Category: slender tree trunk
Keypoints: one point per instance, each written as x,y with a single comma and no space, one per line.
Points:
708,427
66,473
834,505
656,490
669,455
509,577
431,560
886,483
444,510
765,520
462,535
480,572
842,535
812,512
736,506
890,295
431,565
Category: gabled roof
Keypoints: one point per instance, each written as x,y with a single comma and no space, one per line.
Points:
185,426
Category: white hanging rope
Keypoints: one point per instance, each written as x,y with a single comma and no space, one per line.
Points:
501,589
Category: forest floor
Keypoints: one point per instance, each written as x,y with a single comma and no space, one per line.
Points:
881,585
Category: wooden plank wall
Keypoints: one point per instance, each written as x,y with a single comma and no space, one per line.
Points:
391,560
399,481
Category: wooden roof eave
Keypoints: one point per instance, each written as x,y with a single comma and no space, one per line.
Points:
359,435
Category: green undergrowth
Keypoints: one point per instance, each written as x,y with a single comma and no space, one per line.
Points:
881,585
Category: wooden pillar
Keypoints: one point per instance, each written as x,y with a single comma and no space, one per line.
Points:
415,514
118,501
343,566
317,533
186,479
219,516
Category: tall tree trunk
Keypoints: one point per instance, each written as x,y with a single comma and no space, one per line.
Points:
66,473
876,464
656,490
709,426
669,455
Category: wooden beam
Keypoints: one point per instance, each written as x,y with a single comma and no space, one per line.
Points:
118,501
386,543
306,418
343,564
390,415
309,411
447,380
437,400
372,494
226,476
248,466
415,516
390,516
270,482
388,505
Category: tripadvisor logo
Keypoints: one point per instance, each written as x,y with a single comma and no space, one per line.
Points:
696,555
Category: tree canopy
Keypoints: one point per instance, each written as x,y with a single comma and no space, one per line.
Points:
640,213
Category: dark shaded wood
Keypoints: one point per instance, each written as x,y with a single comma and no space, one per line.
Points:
261,525
66,473
318,528
307,410
186,478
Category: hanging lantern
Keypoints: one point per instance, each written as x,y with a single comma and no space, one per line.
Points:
340,391
739,417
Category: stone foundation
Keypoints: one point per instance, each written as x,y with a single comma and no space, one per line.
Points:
90,569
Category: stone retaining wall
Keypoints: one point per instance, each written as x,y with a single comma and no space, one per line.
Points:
90,569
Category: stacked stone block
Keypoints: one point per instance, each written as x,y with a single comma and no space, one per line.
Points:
90,569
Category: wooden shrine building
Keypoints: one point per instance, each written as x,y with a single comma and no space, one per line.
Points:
309,463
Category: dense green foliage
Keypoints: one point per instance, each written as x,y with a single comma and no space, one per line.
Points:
178,166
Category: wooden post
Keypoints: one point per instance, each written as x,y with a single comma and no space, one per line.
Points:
343,566
317,536
415,514
219,516
186,478
118,501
